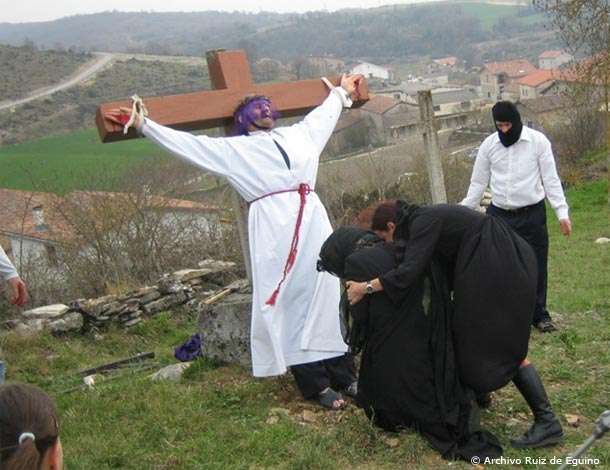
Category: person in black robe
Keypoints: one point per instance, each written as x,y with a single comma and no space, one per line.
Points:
491,272
407,374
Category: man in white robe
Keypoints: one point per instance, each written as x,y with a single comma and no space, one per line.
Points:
295,308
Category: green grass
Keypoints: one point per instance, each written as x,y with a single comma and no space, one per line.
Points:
219,417
72,161
489,14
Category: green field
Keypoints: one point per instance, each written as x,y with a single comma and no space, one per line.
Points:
489,13
73,161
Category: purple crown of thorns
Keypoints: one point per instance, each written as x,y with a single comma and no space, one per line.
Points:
246,112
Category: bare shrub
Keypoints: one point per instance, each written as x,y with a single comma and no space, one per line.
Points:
124,240
581,130
360,183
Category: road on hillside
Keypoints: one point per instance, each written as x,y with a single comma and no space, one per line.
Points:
82,74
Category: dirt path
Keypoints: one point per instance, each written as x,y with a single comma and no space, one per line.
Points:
83,73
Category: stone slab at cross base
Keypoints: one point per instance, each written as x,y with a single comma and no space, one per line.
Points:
224,328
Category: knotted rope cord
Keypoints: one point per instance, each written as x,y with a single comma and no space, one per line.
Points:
138,110
303,191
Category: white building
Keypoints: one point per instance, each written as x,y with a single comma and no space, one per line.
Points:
372,71
554,59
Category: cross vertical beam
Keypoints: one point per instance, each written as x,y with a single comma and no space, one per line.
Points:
229,69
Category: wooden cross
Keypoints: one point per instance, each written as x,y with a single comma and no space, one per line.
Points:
230,76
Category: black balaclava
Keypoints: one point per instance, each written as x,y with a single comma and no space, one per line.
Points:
505,111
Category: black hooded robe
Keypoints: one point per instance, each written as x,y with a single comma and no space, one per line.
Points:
492,273
407,372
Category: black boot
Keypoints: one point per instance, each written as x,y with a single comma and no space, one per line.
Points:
546,430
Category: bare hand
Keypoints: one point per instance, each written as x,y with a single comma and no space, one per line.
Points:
350,84
355,291
20,293
566,227
119,116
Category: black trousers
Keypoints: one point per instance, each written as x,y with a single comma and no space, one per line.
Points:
530,223
313,377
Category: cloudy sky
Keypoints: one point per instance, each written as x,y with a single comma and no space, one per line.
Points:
25,11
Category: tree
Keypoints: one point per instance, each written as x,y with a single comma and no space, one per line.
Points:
583,27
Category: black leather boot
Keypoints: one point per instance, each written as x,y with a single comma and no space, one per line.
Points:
546,430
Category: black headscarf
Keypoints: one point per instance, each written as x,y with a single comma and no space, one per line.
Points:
340,244
505,111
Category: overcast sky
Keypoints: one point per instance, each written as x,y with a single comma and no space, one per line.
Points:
26,11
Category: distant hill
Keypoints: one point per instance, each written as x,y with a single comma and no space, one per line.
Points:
438,29
42,54
23,69
74,108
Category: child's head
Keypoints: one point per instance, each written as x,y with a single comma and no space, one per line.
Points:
29,429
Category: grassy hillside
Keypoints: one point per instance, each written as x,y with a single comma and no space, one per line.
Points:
350,33
74,108
490,13
24,69
217,417
67,162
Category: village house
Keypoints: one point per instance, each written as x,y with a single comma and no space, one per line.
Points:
447,101
499,80
405,92
385,112
444,64
544,112
549,60
35,225
439,78
539,83
372,71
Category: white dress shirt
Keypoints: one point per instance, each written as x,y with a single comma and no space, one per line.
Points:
7,269
518,176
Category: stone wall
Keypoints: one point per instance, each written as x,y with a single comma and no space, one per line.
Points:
172,290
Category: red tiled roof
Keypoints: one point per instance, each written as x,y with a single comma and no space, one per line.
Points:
544,104
550,54
447,61
512,68
539,77
380,104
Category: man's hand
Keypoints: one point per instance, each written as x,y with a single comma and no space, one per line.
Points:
122,116
355,291
566,227
20,293
119,116
350,84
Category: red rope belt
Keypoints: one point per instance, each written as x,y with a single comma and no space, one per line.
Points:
303,191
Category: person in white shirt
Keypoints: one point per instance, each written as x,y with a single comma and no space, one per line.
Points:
518,165
10,275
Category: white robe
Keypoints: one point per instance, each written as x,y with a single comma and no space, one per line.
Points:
303,325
